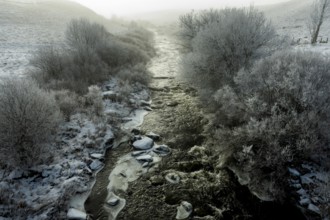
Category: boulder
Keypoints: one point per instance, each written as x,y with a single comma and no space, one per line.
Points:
143,144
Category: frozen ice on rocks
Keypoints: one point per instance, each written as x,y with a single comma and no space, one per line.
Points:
294,172
296,185
95,165
76,214
97,156
313,208
146,164
143,144
137,153
145,158
306,180
16,174
302,192
145,103
305,201
147,108
54,171
111,95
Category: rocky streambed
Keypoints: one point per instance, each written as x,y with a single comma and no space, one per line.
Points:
179,180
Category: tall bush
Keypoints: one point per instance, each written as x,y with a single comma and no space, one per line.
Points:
223,42
28,118
283,109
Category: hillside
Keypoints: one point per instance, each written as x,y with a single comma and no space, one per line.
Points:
290,18
27,25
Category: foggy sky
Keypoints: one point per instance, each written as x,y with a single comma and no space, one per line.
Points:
129,7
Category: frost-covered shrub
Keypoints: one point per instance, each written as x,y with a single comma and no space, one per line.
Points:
124,92
28,118
91,56
67,102
282,114
191,23
84,68
83,33
135,74
141,39
223,42
188,125
93,101
49,63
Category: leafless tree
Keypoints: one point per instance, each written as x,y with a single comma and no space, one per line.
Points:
320,10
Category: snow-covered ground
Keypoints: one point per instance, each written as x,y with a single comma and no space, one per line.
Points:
291,19
28,25
41,191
